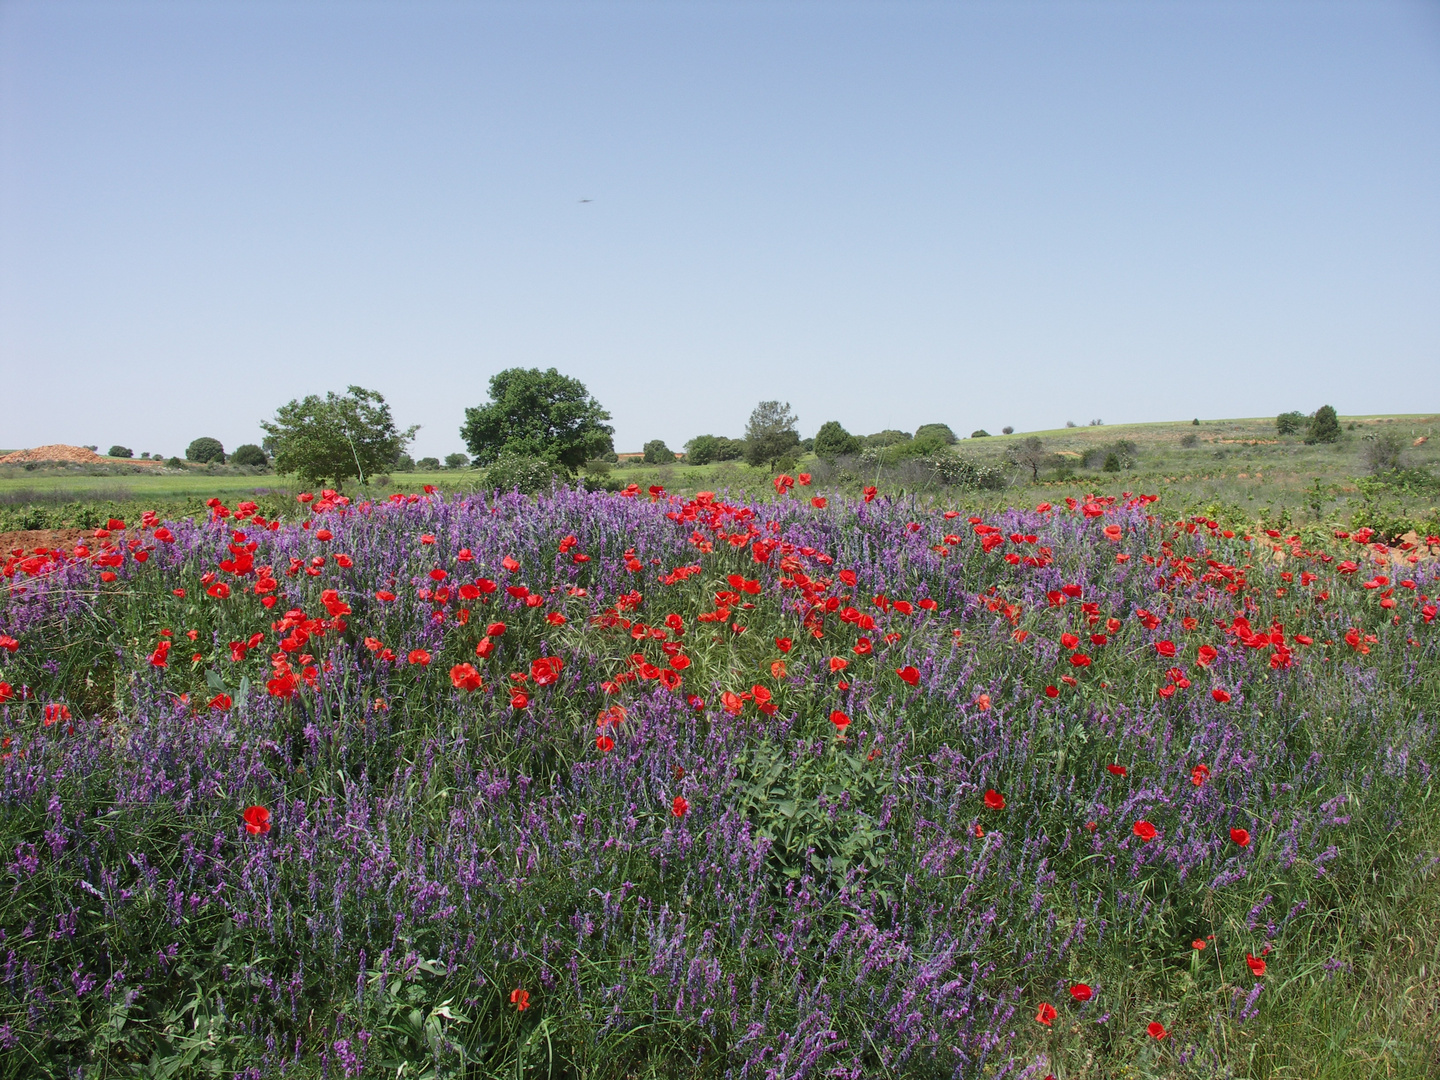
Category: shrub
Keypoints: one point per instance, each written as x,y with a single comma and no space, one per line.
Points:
528,475
174,463
120,452
428,464
1290,423
955,471
1112,462
936,431
1382,452
888,437
1007,430
1189,439
251,455
404,463
1324,426
704,449
833,441
981,433
456,461
205,451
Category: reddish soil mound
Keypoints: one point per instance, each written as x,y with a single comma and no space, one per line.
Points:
31,539
71,455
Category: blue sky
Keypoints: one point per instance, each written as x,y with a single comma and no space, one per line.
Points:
885,213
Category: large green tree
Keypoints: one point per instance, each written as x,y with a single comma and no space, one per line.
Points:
336,437
770,433
542,414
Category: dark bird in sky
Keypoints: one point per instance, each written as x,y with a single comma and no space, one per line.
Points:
587,200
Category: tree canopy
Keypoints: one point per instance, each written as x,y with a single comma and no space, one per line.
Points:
657,453
703,449
335,437
1324,426
770,433
538,414
205,450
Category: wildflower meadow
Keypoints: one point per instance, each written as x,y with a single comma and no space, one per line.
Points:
639,785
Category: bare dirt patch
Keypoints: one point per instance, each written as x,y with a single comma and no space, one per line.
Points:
30,539
70,455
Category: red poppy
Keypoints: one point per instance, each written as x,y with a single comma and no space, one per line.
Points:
818,502
1219,695
484,647
1118,770
1198,944
1052,691
679,807
257,820
1255,964
510,564
520,999
870,493
495,629
994,800
604,743
1156,1030
221,702
783,644
804,479
1199,774
1240,836
1046,1013
465,677
519,699
384,596
840,720
8,643
1145,831
1081,992
419,656
1079,660
909,674
1165,648
1069,640
1207,656
864,647
837,664
438,575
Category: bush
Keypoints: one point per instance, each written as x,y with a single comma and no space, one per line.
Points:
657,453
833,441
1290,423
428,464
1112,462
526,474
174,463
120,452
936,431
980,434
205,451
704,449
251,455
956,471
888,437
1007,430
1324,426
1189,439
456,461
404,463
1382,452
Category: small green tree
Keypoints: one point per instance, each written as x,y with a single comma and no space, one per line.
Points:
770,433
979,433
205,451
456,461
1324,426
428,464
120,451
657,453
936,431
538,414
833,441
336,437
251,455
1290,423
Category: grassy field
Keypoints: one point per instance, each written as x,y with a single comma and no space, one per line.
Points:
1240,466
